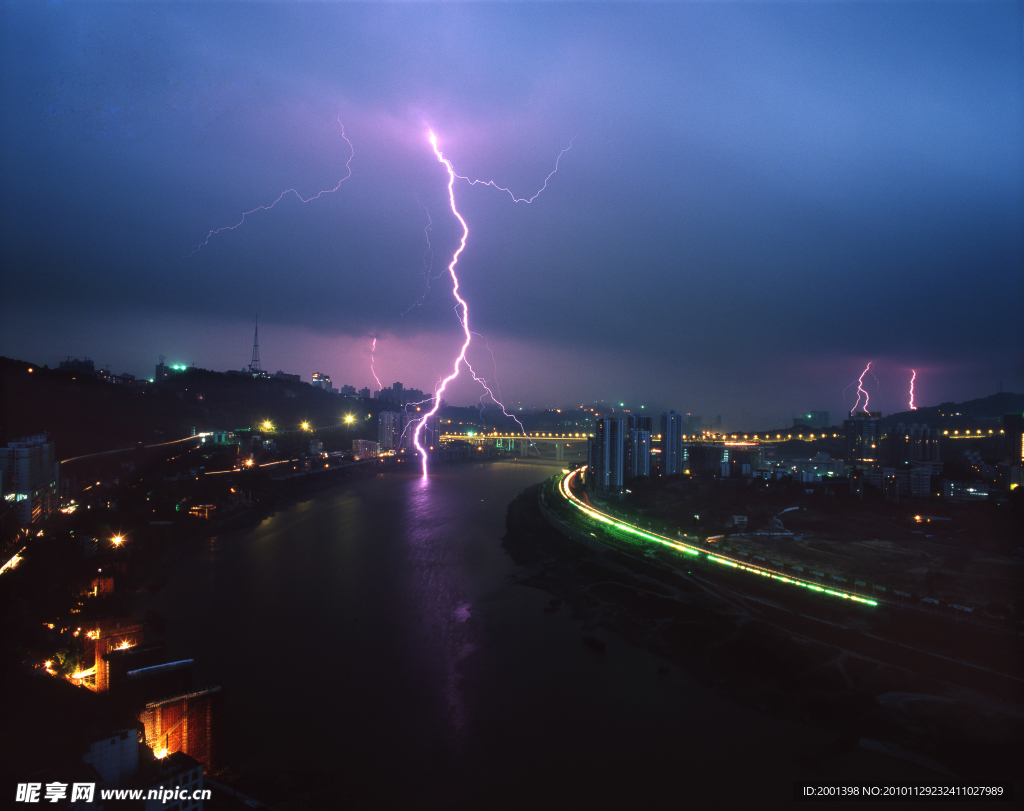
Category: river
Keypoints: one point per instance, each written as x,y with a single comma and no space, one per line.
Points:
374,648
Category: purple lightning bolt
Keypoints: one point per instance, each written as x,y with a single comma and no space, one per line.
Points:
463,316
373,348
302,199
913,377
462,308
861,390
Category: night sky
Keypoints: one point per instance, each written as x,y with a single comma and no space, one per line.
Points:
759,198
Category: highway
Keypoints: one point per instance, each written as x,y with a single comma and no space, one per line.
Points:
632,534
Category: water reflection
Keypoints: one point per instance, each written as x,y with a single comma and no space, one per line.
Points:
439,590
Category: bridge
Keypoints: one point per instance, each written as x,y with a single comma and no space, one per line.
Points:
518,442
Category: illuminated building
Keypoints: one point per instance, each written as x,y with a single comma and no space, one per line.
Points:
28,478
109,637
638,452
192,723
322,381
389,430
863,435
671,443
606,470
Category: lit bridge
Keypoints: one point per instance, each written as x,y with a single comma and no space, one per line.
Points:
520,443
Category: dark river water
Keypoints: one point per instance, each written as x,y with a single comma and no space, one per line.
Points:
372,645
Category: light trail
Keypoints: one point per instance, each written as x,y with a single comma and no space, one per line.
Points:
861,390
913,377
693,551
302,199
462,308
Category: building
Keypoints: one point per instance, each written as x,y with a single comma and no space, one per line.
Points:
399,396
671,443
638,453
322,381
913,443
606,469
174,783
79,365
365,393
29,476
863,437
389,430
192,723
350,390
694,424
279,375
364,448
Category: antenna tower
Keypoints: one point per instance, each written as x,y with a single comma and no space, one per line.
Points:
254,367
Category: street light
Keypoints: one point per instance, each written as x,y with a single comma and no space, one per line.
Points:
305,426
117,540
349,419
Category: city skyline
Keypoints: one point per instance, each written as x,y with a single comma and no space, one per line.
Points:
775,197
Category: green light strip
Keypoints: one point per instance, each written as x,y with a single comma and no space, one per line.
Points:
679,546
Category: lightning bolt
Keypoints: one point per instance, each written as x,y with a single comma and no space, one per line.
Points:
861,390
373,348
348,170
913,377
462,308
494,185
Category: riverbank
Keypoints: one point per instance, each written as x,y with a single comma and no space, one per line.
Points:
790,666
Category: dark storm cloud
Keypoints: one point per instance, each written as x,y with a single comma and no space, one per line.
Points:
787,187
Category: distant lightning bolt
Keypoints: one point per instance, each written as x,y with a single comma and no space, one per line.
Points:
913,377
373,348
861,390
462,308
348,170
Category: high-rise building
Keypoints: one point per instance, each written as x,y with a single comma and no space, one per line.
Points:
606,474
671,443
389,430
321,381
28,474
863,436
638,453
